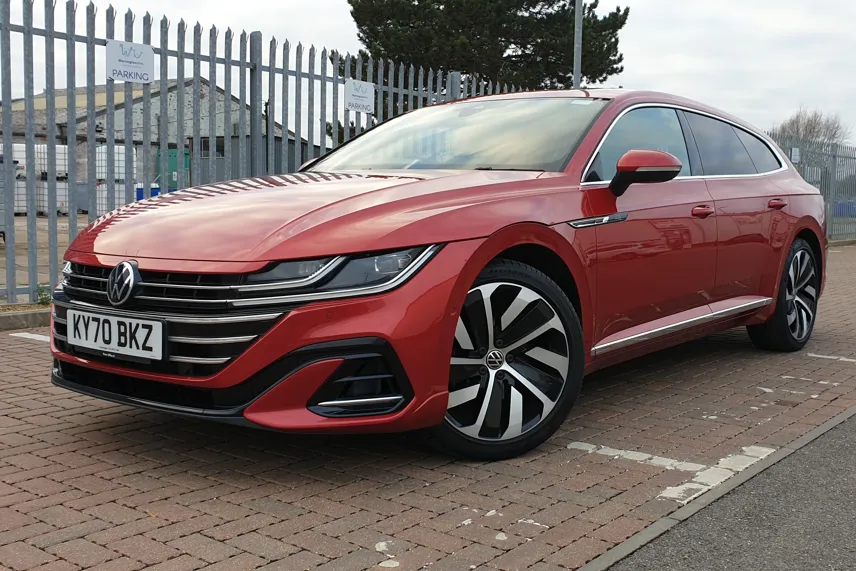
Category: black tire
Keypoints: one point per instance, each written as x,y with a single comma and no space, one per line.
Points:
787,329
522,296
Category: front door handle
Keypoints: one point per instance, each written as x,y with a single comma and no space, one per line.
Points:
777,203
703,211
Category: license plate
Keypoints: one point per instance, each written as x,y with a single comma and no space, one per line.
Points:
115,336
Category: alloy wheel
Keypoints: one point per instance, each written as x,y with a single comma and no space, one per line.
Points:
801,295
509,364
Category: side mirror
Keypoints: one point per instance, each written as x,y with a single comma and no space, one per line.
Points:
643,166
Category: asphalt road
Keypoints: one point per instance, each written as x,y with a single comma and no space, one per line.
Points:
800,514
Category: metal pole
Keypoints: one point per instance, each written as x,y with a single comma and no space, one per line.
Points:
578,42
257,151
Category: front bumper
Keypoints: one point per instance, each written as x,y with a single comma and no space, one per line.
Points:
280,381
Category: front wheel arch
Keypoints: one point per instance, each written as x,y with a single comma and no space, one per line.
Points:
552,245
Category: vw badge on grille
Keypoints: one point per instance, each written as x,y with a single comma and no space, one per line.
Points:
122,283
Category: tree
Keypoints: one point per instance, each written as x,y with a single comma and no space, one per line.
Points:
525,43
528,43
813,125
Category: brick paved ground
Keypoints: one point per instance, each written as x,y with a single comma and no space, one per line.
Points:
86,484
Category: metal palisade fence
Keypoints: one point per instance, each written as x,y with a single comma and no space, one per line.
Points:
832,169
218,106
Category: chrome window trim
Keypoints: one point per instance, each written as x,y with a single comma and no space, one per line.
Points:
783,165
679,326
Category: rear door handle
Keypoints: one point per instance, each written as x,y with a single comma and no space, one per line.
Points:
777,203
703,211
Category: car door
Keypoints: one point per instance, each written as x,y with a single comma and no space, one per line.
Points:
750,207
656,261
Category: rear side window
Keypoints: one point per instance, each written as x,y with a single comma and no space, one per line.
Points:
649,128
722,152
762,156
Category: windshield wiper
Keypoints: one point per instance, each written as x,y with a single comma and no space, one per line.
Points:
504,169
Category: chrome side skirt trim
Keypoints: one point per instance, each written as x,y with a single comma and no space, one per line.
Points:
679,326
357,402
599,220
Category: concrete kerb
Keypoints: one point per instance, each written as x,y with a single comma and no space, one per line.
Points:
12,320
661,526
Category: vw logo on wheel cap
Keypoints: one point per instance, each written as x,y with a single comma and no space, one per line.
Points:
122,283
495,360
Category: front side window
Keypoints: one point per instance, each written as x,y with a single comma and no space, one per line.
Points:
646,128
722,152
511,134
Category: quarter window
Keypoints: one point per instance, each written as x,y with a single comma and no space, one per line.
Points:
721,150
764,159
648,128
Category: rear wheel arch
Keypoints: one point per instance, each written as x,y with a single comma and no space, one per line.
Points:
811,237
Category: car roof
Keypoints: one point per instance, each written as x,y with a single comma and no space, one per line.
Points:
624,97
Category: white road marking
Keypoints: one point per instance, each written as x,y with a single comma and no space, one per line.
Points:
704,477
33,336
832,358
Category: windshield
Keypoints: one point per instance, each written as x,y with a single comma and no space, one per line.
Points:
513,134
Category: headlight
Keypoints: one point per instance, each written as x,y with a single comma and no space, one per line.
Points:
369,271
291,271
334,277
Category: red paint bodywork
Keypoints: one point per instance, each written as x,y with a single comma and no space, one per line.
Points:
659,266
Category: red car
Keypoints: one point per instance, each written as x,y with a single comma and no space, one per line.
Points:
456,270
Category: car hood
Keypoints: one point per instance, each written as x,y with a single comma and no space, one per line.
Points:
297,216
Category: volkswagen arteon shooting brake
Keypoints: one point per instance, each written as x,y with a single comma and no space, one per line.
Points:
456,270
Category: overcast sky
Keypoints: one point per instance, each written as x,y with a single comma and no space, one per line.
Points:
758,59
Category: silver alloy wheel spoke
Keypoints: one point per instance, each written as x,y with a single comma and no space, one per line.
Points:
801,295
508,372
545,400
461,396
515,416
462,336
476,427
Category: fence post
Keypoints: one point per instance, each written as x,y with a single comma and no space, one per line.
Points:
257,148
453,85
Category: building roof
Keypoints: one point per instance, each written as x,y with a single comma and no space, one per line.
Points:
19,119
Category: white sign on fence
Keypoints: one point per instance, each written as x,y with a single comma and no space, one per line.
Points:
795,155
127,61
359,96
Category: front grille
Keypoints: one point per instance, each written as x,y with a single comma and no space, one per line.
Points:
159,291
203,333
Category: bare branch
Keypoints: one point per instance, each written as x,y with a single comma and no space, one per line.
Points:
814,125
